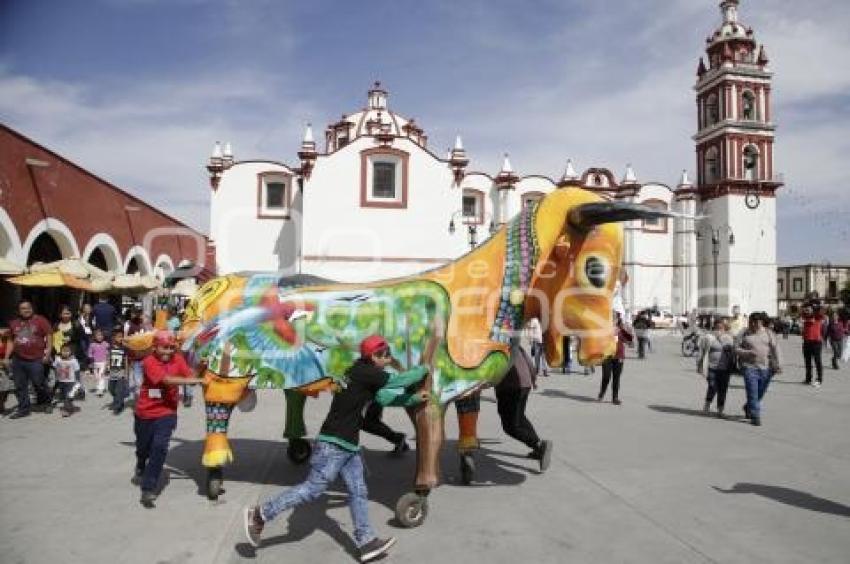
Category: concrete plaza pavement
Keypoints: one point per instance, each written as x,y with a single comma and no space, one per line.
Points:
653,480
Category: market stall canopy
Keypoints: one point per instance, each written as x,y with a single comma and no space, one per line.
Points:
54,279
10,268
74,266
186,287
134,284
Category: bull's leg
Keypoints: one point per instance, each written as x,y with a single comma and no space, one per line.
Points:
221,396
468,409
428,419
295,430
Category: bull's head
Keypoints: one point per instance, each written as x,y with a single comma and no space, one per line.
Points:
581,255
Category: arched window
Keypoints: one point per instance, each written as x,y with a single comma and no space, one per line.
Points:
751,162
712,166
748,106
712,110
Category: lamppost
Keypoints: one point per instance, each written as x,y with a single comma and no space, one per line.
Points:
471,227
716,233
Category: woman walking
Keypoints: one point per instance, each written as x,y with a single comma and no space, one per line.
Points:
715,363
612,367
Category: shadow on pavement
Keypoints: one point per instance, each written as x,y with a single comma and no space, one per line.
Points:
564,395
265,462
692,412
789,496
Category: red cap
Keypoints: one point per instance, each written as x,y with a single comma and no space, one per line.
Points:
164,338
372,344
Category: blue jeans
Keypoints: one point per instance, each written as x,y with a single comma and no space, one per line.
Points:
329,461
756,381
24,372
152,438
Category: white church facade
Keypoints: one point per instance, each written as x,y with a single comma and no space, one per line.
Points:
371,200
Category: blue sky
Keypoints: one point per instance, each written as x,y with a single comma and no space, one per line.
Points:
138,90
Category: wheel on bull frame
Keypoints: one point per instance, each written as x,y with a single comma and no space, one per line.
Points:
215,481
411,510
299,450
467,468
690,346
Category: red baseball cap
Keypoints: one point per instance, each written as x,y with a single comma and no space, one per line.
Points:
372,344
164,338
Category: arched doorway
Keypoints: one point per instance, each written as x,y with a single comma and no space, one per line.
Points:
98,259
47,301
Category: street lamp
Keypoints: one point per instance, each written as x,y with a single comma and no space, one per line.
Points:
471,227
716,233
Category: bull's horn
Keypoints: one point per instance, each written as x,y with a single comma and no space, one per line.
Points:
585,216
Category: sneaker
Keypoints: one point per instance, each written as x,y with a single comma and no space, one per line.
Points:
756,421
65,412
545,453
616,402
817,384
147,499
137,477
401,446
253,525
19,415
375,548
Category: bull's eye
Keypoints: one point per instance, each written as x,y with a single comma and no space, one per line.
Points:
596,271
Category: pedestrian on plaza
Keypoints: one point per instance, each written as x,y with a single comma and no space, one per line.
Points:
68,331
759,356
716,359
7,384
103,314
156,411
98,355
641,327
119,373
566,343
512,398
534,334
814,331
612,367
67,369
86,321
337,451
29,353
738,322
134,325
836,332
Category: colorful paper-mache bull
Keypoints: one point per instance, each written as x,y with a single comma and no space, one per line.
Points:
558,260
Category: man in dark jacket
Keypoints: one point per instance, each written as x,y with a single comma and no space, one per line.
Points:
511,398
337,451
104,316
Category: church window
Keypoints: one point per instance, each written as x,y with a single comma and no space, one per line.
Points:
751,162
273,195
748,106
712,110
798,284
383,178
655,224
530,198
781,287
712,166
473,206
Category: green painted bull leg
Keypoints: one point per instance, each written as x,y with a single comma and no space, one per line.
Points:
295,430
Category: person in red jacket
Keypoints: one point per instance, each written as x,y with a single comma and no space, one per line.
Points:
156,411
814,329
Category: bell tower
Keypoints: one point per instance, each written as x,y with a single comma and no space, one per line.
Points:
736,182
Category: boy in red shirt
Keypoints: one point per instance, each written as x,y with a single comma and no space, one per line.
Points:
156,411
